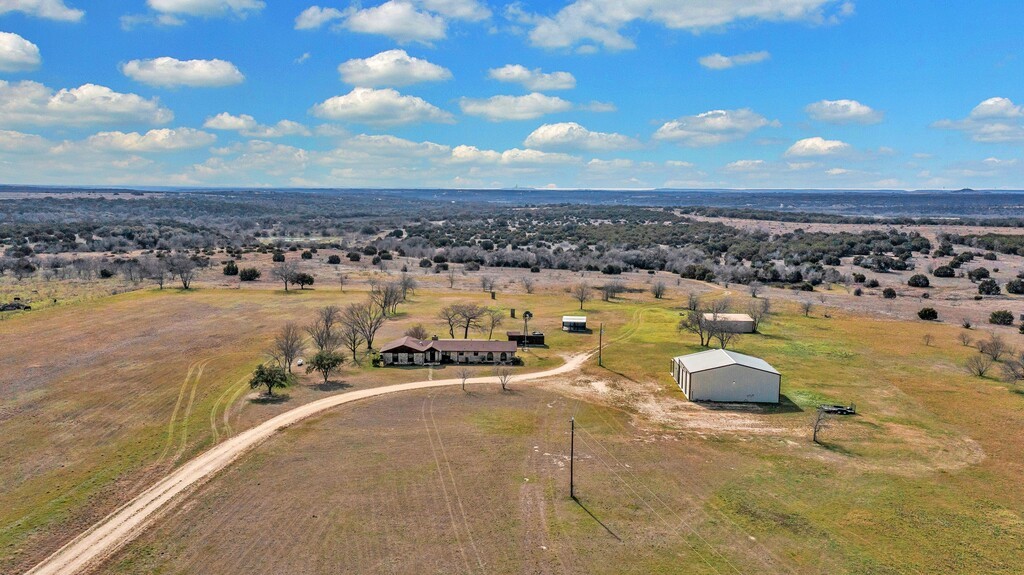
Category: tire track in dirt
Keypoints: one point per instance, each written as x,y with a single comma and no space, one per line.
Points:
444,486
216,406
188,410
174,413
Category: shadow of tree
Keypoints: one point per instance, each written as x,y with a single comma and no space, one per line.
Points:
265,399
332,386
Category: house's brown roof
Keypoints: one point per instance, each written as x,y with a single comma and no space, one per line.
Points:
450,345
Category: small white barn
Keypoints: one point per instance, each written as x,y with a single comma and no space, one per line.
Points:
726,376
731,322
574,323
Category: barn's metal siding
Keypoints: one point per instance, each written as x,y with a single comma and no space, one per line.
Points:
735,383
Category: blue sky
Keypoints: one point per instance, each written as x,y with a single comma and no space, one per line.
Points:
469,93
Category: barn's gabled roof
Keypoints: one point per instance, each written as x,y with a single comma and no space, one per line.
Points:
574,319
715,358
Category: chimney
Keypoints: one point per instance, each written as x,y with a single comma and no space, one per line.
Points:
433,338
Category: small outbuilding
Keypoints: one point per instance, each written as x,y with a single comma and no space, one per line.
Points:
574,323
730,322
726,376
533,338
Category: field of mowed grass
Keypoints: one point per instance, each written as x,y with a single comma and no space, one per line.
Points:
925,479
103,396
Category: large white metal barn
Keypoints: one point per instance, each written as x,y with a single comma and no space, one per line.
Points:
726,376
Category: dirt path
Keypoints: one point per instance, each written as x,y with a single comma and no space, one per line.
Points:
100,541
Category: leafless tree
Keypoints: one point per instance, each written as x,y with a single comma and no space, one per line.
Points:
1013,370
368,319
822,298
341,281
725,338
719,306
349,334
759,311
994,347
693,322
285,272
504,374
965,339
806,306
323,329
928,339
469,317
182,267
755,288
658,289
463,374
450,314
822,419
487,283
451,278
611,290
492,319
978,365
692,301
407,284
288,344
527,284
386,295
417,332
581,292
154,269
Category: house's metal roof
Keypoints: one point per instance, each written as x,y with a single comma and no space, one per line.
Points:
715,358
450,345
574,319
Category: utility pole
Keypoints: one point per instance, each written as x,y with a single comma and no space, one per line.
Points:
572,456
600,345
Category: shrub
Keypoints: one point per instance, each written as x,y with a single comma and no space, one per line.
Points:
471,266
303,280
872,283
918,281
1015,286
278,257
334,259
926,295
231,268
943,272
426,263
1001,317
988,287
307,255
889,293
978,274
440,259
376,260
858,292
249,274
535,270
991,256
354,256
859,278
369,251
106,274
928,314
611,269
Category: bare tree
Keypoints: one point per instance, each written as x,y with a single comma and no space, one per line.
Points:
492,319
994,347
368,319
725,338
527,284
759,311
285,272
658,289
341,281
928,339
1013,370
822,419
755,288
450,314
487,283
611,290
386,295
350,335
470,317
581,292
965,339
182,266
806,306
451,278
407,285
719,306
288,344
693,322
504,374
417,332
154,269
463,374
324,327
978,365
692,301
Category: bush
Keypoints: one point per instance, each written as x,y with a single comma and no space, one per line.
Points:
354,256
943,272
334,259
471,267
918,281
307,255
859,278
978,274
611,269
535,270
928,314
278,257
426,263
106,274
231,269
440,259
369,251
858,292
1015,286
376,260
303,280
1001,317
990,256
872,283
889,293
249,274
988,287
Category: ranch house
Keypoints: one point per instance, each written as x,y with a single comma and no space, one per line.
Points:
411,351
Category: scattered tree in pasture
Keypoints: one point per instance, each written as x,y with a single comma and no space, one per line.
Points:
988,287
487,283
504,374
451,278
303,279
527,283
341,281
1013,370
994,347
581,292
806,306
270,377
450,314
463,374
288,344
368,319
918,281
182,267
692,301
822,420
350,335
325,362
407,285
928,339
658,289
755,287
965,339
889,293
928,314
323,330
231,268
417,332
492,319
978,365
611,290
694,322
759,311
386,296
285,271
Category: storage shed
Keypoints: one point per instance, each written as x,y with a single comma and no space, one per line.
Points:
731,322
727,376
574,323
534,338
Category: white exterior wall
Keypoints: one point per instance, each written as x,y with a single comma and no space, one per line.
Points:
740,326
734,383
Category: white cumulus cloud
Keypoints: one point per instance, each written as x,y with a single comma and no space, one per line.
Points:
17,54
207,8
534,80
33,103
817,146
22,143
513,157
713,127
160,140
996,120
720,62
248,126
48,9
843,112
391,68
399,20
600,22
745,166
380,107
168,72
316,16
501,108
570,135
469,10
